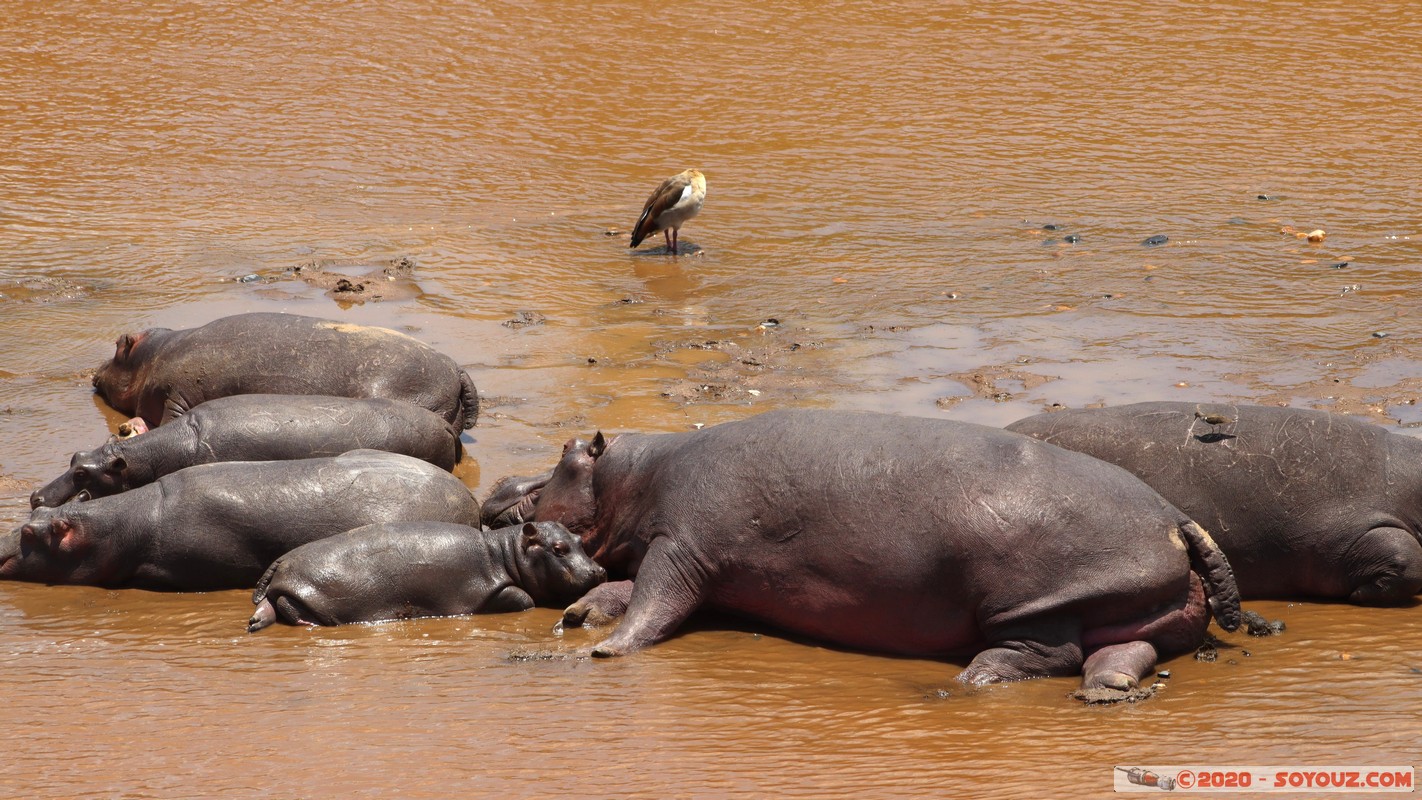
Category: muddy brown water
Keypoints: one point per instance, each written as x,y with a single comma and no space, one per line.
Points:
881,178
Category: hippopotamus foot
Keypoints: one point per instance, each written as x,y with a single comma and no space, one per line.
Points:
603,605
667,590
262,617
1118,666
1389,567
1022,659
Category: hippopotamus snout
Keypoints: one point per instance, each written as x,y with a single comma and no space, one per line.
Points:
512,500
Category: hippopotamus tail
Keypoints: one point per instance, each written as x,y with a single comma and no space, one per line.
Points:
259,594
468,400
1209,562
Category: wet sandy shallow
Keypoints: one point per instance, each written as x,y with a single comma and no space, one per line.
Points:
886,206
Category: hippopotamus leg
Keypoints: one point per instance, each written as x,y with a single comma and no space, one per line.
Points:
604,605
1386,566
669,587
1029,650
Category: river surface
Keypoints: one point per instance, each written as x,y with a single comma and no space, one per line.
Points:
892,186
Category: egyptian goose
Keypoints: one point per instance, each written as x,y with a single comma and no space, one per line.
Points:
670,206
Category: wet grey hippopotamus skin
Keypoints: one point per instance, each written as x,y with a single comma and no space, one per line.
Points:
896,534
219,526
1304,503
401,570
160,374
256,427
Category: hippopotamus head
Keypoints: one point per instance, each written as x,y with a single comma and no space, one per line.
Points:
555,568
512,500
92,473
117,381
50,548
568,495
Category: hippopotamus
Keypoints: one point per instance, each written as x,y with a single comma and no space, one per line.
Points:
160,374
1305,504
256,427
401,570
897,534
219,526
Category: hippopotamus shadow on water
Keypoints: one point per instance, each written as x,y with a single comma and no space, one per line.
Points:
160,374
1306,504
256,427
423,569
219,526
893,534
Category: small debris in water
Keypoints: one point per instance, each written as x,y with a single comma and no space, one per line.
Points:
1071,238
1345,656
1268,197
1341,265
1316,236
1353,287
1379,334
1051,226
253,278
1165,673
1157,240
1258,626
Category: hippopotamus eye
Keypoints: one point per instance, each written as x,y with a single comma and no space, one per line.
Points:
561,548
81,476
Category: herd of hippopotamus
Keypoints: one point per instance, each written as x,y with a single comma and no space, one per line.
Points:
311,459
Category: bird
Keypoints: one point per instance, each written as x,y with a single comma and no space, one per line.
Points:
670,206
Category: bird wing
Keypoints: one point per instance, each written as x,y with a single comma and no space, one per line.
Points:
672,191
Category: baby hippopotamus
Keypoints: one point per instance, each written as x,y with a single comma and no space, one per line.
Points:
401,570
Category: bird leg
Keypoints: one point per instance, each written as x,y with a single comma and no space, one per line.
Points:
671,245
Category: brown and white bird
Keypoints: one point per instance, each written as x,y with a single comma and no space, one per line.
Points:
670,206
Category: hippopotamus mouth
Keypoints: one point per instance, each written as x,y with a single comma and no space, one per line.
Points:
513,500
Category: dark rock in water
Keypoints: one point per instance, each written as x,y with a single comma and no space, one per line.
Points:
1051,226
1258,626
1096,697
1341,265
1207,652
1379,334
1156,240
1071,238
1268,197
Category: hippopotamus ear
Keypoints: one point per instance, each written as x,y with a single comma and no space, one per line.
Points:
531,537
599,444
123,346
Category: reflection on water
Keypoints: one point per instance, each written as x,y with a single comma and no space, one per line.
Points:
944,207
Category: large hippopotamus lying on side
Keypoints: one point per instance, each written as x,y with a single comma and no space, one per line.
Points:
160,374
219,526
1304,503
256,427
896,534
400,570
